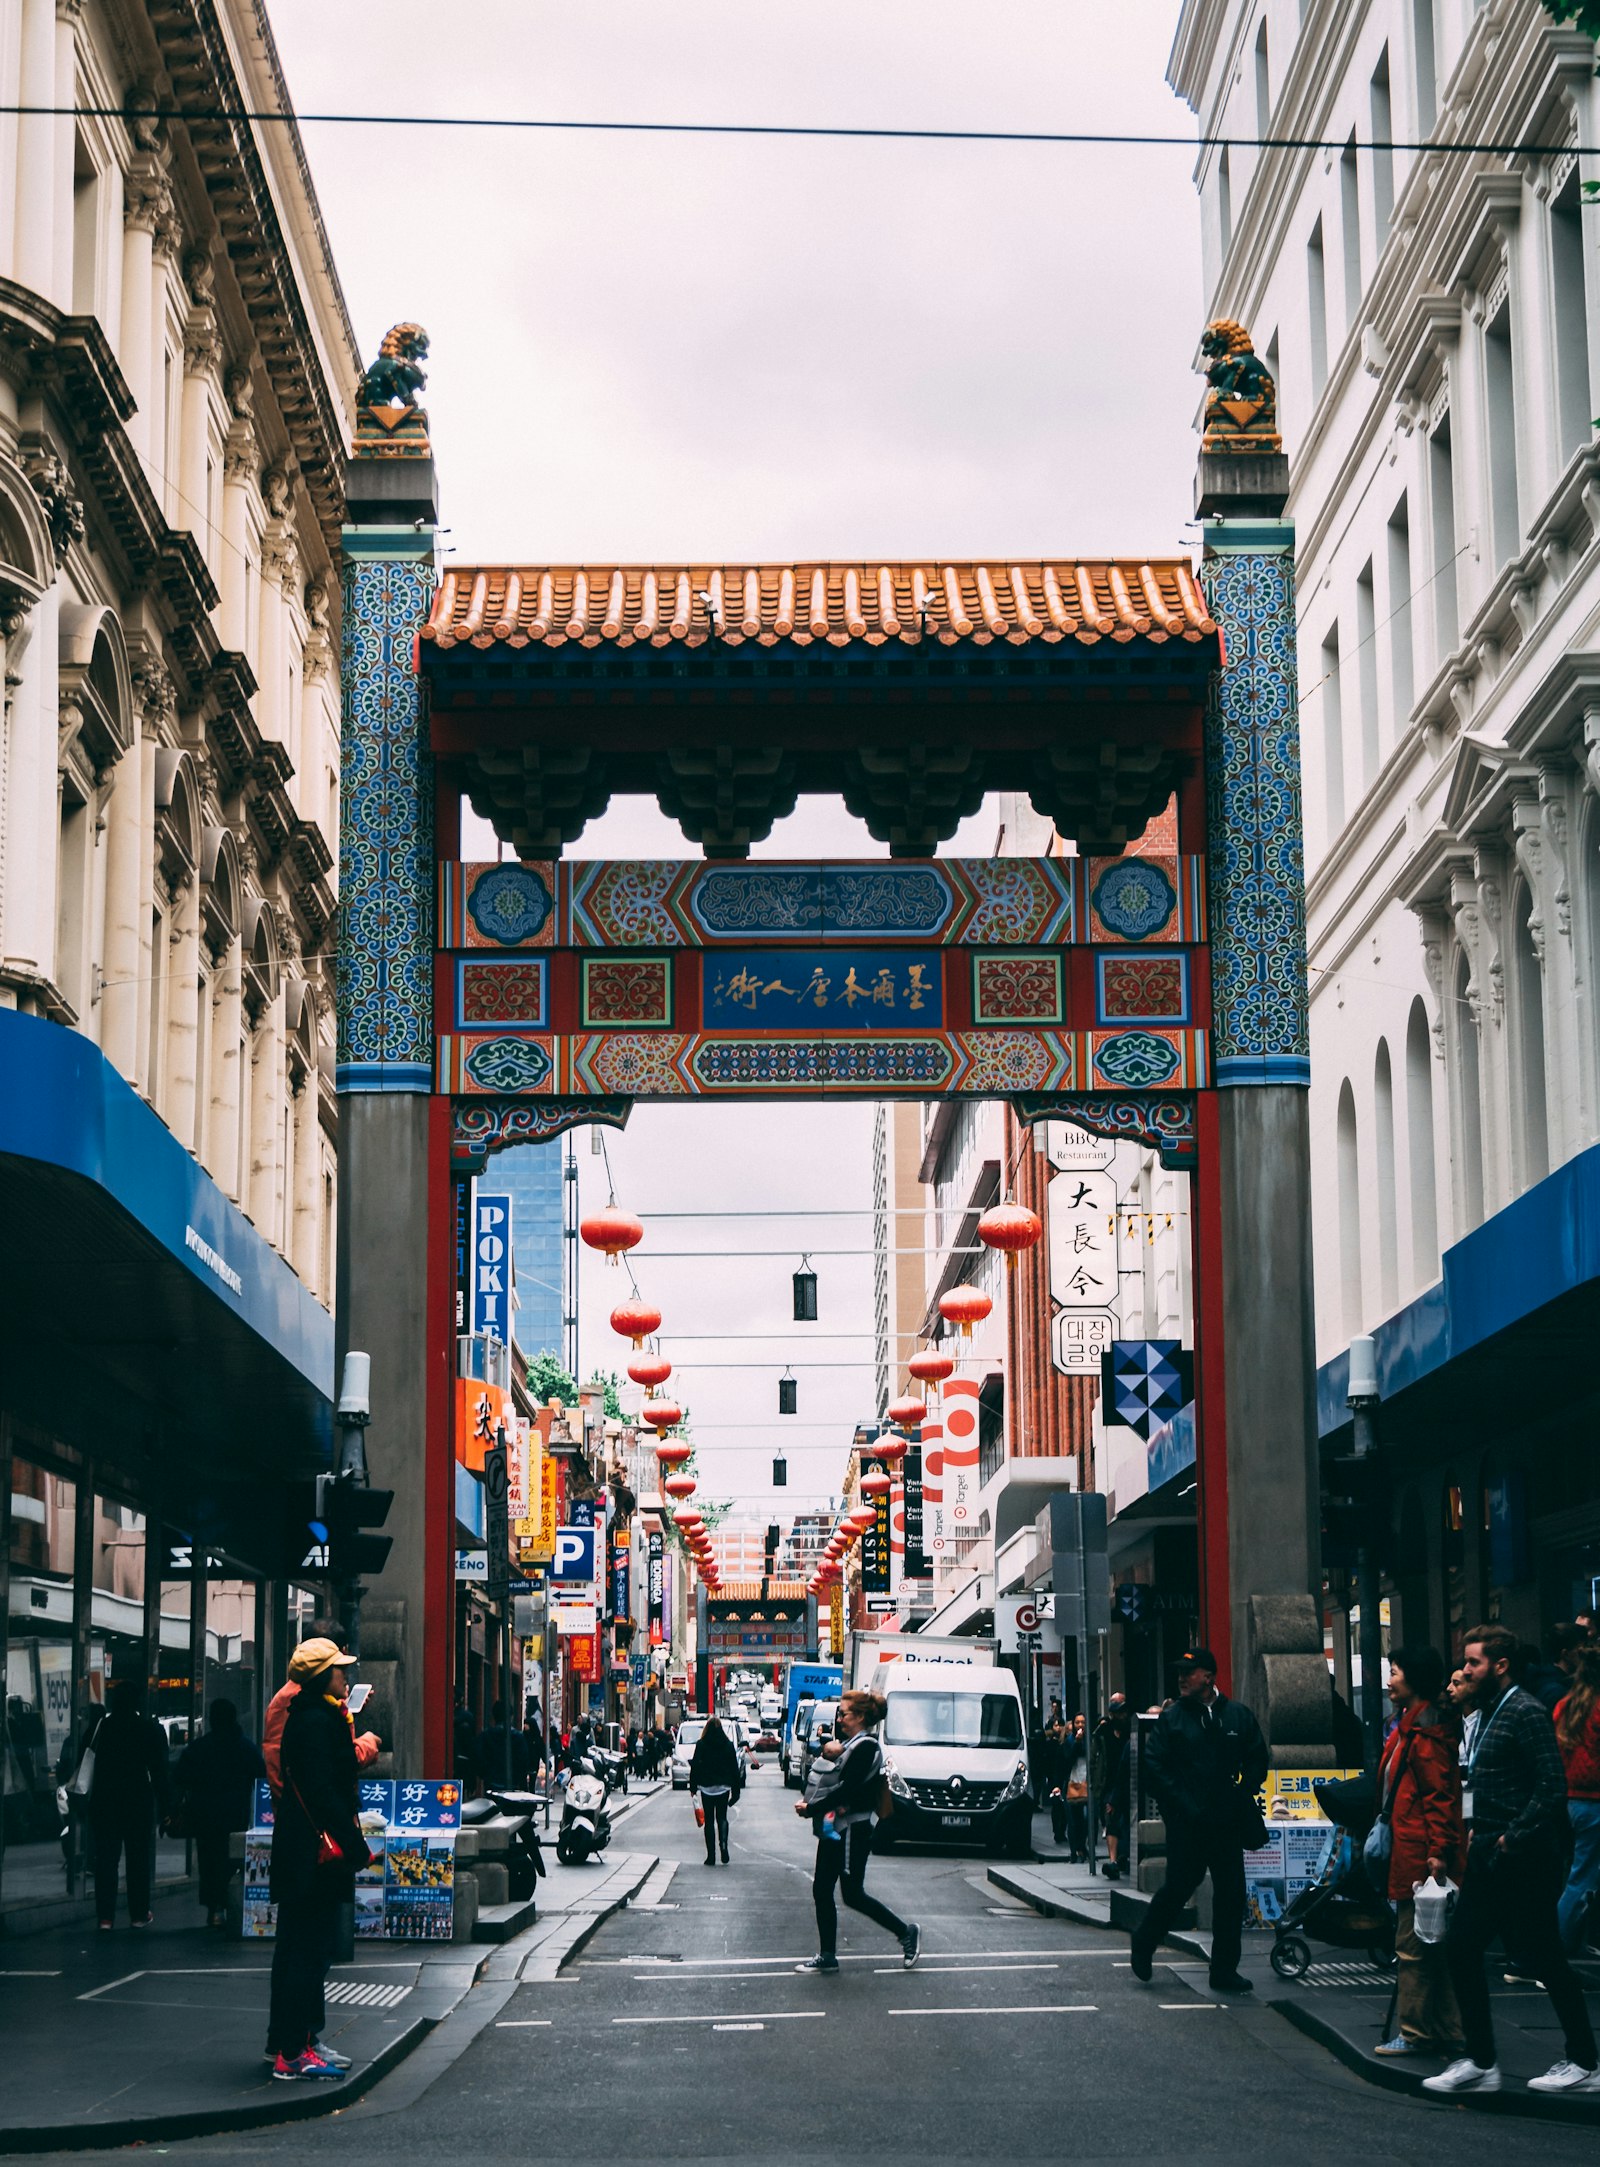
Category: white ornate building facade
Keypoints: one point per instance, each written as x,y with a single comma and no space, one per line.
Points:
176,375
1433,318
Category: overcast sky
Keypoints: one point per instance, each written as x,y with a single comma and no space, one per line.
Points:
726,349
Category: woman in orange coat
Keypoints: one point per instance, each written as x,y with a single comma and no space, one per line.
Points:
1419,1782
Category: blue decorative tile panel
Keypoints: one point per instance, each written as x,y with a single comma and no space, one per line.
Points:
385,994
1257,861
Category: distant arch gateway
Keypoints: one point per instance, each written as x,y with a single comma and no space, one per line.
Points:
1151,985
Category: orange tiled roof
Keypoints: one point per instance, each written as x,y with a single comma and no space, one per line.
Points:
749,1591
522,605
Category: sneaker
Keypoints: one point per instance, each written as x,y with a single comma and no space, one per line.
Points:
149,1919
1464,2076
1399,2044
332,2056
911,1943
1140,1963
1231,1982
1514,1977
819,1963
303,2068
1566,2077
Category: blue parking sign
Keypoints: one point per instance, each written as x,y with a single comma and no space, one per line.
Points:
574,1562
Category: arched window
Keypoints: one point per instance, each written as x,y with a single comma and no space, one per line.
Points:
1349,1212
1528,992
1384,1201
1419,1147
1469,1102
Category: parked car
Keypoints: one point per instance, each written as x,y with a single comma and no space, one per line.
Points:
683,1750
765,1739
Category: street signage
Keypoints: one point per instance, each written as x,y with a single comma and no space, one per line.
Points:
574,1620
497,1517
1016,1620
881,1606
1078,1567
574,1564
1075,1150
1078,1339
472,1565
491,1265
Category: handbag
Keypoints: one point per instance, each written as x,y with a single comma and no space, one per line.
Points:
1378,1848
83,1775
328,1852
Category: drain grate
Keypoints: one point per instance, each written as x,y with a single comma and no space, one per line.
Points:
365,1994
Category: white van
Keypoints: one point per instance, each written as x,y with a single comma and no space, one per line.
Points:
955,1756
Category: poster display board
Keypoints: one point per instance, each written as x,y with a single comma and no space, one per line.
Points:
406,1891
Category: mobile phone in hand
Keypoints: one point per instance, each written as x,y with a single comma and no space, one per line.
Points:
359,1696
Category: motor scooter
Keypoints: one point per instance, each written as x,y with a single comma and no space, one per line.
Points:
525,1863
612,1766
585,1824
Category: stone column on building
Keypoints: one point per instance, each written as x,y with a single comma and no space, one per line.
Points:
227,1055
182,1034
266,1074
240,466
146,206
279,561
161,453
394,1207
64,149
157,704
202,355
302,1243
1259,1205
34,201
119,997
32,824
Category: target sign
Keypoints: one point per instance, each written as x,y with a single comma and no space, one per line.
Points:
1027,1617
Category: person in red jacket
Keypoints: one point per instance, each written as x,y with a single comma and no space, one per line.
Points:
1578,1736
1419,1783
302,1666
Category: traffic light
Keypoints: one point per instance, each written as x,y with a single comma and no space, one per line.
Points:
345,1508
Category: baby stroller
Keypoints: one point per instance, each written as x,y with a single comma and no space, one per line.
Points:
1341,1907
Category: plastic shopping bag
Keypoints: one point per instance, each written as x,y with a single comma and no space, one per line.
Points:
699,1815
1433,1901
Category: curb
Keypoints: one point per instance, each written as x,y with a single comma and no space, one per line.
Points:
217,2121
1062,1906
1531,2106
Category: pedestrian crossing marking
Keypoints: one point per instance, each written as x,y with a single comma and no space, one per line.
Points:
365,1994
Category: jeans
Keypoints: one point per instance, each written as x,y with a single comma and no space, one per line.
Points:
308,1928
1583,1878
844,1864
1513,1897
715,1807
112,1833
1195,1849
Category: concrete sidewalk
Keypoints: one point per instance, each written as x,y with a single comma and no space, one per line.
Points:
157,2033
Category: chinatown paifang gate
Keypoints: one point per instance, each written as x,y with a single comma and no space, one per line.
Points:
490,1004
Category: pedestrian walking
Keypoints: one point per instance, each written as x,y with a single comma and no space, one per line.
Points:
1515,1805
1578,1739
1206,1760
128,1794
1067,1785
216,1780
317,1851
493,1746
843,1800
1419,1784
1110,1777
714,1782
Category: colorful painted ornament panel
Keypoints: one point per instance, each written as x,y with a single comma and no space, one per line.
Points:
1142,988
1017,988
632,991
509,994
1145,899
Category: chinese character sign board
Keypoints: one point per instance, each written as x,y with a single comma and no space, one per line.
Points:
406,1891
916,1562
812,989
491,1265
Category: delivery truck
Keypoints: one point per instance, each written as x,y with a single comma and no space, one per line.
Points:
804,1682
872,1650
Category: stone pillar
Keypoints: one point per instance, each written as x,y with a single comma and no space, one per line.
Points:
33,203
183,1014
227,1055
266,1073
202,354
146,204
119,999
302,1244
240,465
1261,1200
390,1195
63,151
157,704
32,817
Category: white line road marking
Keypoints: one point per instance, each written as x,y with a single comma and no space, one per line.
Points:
1188,2005
714,1978
766,2016
738,2027
709,1963
944,1971
522,2024
30,1975
1020,2009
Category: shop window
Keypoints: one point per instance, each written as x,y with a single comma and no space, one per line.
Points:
39,1680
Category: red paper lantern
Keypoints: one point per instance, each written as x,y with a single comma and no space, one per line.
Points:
680,1486
635,1321
661,1414
863,1517
876,1485
931,1369
686,1517
909,1414
611,1230
651,1370
1011,1228
965,1306
890,1446
673,1451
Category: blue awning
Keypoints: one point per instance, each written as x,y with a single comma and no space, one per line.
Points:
1511,1323
134,1296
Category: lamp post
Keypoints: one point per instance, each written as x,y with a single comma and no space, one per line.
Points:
1361,1397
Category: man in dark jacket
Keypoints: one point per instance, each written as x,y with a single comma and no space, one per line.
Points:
1205,1761
217,1776
492,1745
317,1851
127,1796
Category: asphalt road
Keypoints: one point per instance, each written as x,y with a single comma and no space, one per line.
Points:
682,2031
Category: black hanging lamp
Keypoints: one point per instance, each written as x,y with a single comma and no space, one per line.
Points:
805,1293
788,1395
780,1473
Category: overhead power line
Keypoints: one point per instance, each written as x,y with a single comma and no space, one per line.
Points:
1135,139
